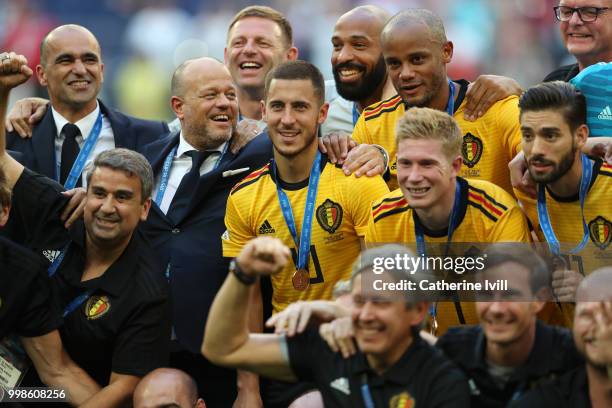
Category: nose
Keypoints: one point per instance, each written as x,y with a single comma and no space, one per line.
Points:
344,55
575,18
497,308
414,174
250,47
367,311
78,67
108,204
222,101
406,72
538,146
287,117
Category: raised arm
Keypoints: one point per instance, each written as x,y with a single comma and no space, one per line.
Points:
13,72
227,340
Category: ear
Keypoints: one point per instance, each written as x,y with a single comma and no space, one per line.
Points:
40,74
146,206
323,113
101,72
419,312
581,134
177,106
4,214
262,104
456,165
292,54
447,52
225,57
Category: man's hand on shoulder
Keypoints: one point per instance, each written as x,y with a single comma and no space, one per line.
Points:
485,91
24,115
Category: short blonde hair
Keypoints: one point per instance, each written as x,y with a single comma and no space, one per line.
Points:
430,124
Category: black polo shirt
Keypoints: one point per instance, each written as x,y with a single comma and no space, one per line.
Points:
124,324
569,391
564,73
26,307
553,354
423,376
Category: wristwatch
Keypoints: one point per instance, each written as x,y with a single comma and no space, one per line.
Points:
384,154
247,280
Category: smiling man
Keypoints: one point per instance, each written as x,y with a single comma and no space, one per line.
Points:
589,385
300,192
434,205
586,31
258,39
510,351
112,294
393,366
78,125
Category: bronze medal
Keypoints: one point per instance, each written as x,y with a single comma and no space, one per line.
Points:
301,279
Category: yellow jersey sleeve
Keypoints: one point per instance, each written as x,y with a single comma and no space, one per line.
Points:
509,125
511,227
360,195
360,132
237,233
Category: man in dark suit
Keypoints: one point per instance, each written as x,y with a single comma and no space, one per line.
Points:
194,173
71,68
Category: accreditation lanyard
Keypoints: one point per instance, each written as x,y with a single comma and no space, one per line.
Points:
544,218
303,244
355,113
165,175
420,240
79,163
76,302
450,105
365,392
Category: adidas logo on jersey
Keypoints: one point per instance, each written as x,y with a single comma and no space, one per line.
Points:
341,384
606,113
266,228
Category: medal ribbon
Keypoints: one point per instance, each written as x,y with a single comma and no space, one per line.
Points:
355,113
420,239
544,218
303,244
76,302
79,163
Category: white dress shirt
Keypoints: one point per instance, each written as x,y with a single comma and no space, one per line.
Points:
181,165
106,140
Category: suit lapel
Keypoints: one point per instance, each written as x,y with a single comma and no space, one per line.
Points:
122,131
43,144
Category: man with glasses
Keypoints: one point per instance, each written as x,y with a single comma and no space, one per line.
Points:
586,31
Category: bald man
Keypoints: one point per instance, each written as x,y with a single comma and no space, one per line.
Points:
194,172
167,387
78,125
590,384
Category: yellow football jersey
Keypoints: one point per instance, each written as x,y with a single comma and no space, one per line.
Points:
566,220
487,214
489,143
340,219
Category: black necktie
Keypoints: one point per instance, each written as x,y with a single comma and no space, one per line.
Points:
70,150
182,197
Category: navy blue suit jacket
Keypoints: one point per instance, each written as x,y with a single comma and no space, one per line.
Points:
38,153
191,243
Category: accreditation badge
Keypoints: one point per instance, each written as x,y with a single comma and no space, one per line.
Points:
14,362
301,279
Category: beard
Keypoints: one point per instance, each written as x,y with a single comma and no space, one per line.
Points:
366,86
436,85
559,170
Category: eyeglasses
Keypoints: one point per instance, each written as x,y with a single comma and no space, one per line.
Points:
586,14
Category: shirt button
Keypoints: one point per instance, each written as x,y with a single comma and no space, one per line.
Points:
176,230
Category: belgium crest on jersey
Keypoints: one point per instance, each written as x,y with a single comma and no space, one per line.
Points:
600,231
329,216
471,150
96,307
402,400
